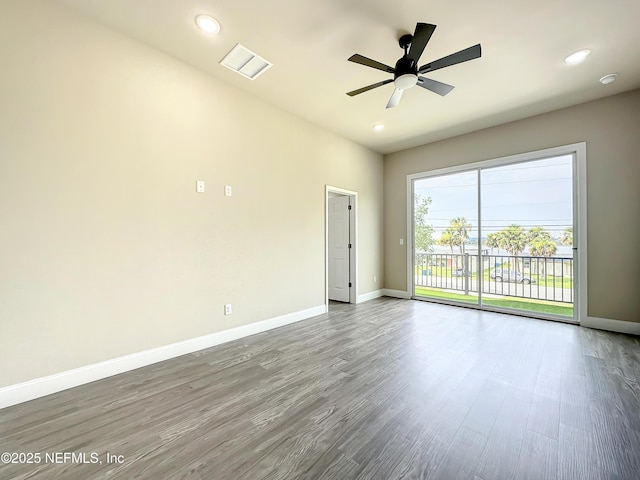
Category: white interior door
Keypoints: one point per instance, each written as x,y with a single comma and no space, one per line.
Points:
339,248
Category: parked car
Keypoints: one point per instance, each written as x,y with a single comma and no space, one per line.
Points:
510,276
459,272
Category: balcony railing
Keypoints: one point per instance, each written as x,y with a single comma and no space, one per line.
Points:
540,278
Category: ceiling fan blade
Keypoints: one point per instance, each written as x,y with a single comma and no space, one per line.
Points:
453,59
435,86
369,87
421,37
395,98
367,62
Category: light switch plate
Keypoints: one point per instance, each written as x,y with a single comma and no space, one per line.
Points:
200,188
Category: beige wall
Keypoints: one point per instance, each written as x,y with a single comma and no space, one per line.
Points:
106,249
611,128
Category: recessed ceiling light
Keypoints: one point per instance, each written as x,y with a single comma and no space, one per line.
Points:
607,79
207,24
378,126
577,57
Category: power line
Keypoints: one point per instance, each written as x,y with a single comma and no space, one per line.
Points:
522,223
563,164
528,204
503,227
565,220
474,208
497,183
493,169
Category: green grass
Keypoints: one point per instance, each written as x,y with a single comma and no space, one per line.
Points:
548,281
437,293
530,305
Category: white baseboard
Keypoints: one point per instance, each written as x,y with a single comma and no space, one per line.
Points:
619,326
387,292
39,387
369,296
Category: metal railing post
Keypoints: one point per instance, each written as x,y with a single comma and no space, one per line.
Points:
465,272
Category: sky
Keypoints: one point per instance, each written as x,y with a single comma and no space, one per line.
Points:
533,193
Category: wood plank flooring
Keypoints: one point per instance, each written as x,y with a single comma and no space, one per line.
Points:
388,389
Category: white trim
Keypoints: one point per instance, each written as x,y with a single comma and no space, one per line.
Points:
353,264
39,387
495,162
387,292
409,237
619,326
580,229
369,296
480,261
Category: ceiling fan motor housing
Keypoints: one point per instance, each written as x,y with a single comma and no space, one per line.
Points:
406,75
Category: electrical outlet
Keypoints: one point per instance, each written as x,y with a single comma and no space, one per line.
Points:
228,190
200,188
227,309
375,279
402,241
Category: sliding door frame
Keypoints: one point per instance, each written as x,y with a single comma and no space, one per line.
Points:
579,153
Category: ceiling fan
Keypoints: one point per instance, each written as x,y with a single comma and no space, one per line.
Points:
406,74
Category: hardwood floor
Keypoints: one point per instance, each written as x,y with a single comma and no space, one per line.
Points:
388,389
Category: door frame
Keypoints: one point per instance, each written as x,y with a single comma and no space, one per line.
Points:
353,232
579,151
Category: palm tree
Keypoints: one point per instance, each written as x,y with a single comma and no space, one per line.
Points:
538,239
492,241
461,228
537,233
448,238
513,239
543,247
567,237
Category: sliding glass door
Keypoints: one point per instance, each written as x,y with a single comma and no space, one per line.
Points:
498,236
527,218
446,237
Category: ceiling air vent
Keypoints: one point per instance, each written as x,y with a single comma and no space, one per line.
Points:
243,61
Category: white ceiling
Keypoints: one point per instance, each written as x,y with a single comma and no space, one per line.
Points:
521,72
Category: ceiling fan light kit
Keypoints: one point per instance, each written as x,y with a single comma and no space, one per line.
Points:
406,73
405,81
